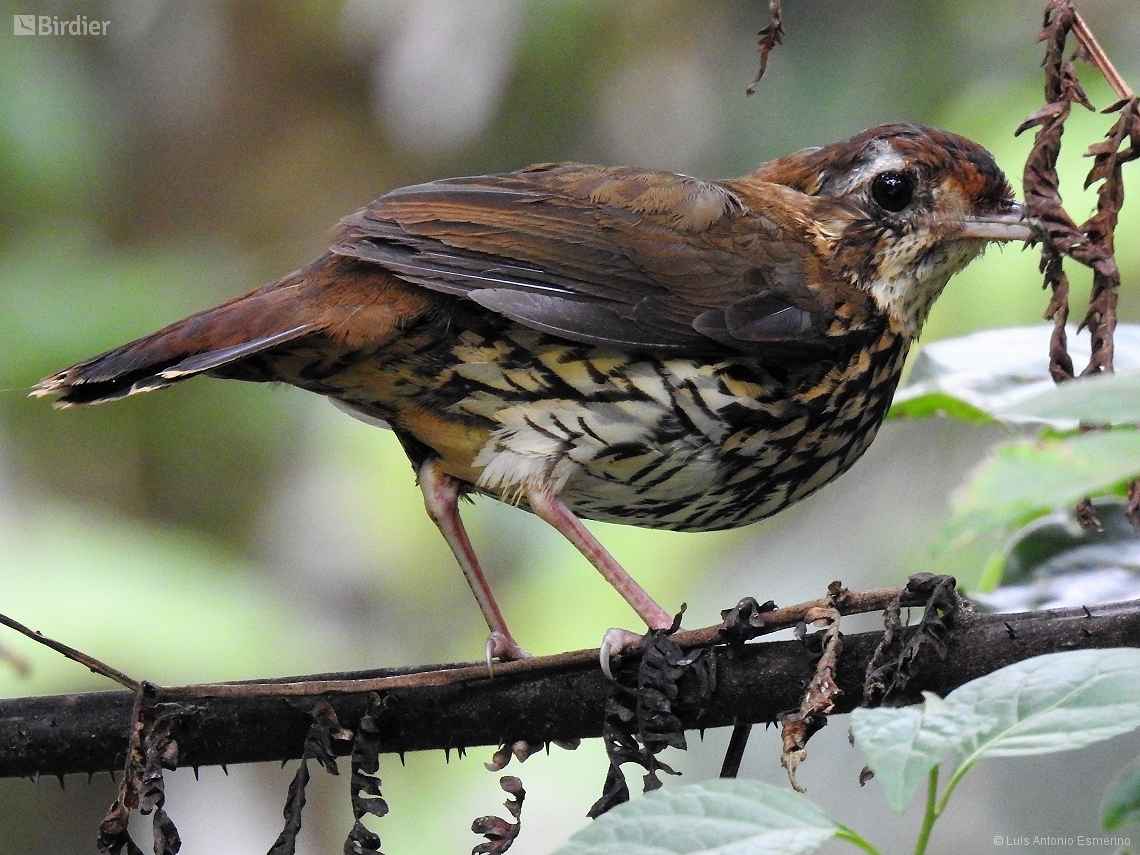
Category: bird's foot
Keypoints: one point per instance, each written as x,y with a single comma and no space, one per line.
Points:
500,645
614,642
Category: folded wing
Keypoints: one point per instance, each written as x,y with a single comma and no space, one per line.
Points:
635,259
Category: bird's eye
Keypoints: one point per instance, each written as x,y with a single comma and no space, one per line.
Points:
892,191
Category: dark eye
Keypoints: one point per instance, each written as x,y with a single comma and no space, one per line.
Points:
892,191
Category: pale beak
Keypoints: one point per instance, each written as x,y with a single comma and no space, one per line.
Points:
1008,225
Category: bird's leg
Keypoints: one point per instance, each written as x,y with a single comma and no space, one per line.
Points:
551,509
441,498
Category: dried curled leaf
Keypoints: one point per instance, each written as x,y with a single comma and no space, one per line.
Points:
166,838
745,620
1092,242
151,749
771,34
318,741
796,728
499,832
640,721
286,842
894,663
113,837
364,782
318,746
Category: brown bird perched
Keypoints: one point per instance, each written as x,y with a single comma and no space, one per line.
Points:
610,343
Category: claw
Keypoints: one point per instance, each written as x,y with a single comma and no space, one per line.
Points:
501,646
613,643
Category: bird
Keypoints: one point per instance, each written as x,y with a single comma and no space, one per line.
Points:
609,343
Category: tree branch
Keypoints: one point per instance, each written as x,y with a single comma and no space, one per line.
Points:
71,653
86,733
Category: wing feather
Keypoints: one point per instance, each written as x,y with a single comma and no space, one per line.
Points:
637,259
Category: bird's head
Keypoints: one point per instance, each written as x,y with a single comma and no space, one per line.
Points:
899,209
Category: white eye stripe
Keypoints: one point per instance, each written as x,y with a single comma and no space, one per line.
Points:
886,161
883,159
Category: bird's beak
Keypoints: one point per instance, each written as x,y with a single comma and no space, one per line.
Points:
1007,225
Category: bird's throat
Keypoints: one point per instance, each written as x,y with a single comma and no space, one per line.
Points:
911,278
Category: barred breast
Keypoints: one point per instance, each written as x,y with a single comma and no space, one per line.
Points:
672,443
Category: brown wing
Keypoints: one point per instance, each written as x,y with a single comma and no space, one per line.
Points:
647,260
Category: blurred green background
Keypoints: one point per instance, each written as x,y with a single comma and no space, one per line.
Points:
219,531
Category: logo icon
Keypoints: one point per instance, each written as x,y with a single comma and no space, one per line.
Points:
24,25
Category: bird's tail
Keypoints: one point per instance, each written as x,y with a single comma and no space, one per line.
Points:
208,341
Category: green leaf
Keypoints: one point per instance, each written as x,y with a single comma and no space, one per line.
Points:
720,817
1026,479
1103,399
1121,805
938,404
1002,372
903,744
1055,702
1054,563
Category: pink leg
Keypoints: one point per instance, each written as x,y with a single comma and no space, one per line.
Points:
441,498
552,510
558,515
